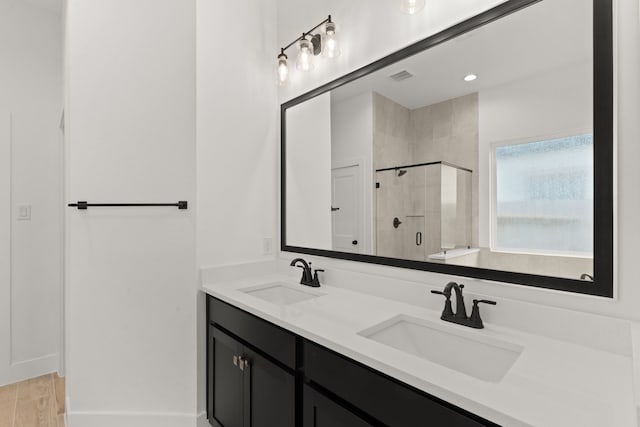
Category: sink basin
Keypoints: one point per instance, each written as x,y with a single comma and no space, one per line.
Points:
282,293
469,352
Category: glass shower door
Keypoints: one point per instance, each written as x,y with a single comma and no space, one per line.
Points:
400,213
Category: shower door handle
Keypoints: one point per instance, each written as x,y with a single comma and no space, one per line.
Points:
419,238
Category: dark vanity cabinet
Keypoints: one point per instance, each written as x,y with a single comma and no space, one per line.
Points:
380,397
321,411
228,398
248,386
260,375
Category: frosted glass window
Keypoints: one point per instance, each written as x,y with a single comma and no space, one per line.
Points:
544,196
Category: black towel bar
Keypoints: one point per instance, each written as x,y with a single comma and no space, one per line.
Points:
84,205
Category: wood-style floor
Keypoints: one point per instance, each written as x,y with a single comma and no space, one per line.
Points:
38,402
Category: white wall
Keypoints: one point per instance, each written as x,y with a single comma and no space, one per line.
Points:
309,173
557,103
237,131
131,286
31,164
5,241
237,163
363,41
352,141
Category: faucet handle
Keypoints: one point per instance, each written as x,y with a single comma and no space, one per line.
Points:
316,280
448,309
476,321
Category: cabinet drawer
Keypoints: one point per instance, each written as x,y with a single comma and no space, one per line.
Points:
387,400
266,337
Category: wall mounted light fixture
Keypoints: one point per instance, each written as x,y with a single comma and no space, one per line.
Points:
412,7
309,46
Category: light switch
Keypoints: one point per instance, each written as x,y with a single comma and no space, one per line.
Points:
24,213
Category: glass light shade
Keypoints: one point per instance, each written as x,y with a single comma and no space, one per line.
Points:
412,7
330,47
283,69
304,62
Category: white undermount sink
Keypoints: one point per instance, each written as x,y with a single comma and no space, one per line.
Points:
282,293
469,352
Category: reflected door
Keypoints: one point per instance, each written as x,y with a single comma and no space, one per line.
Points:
414,204
414,234
390,214
346,203
400,213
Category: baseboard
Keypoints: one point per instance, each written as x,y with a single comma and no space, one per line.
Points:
94,419
27,369
202,420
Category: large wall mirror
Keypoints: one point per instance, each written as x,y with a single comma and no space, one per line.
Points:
483,151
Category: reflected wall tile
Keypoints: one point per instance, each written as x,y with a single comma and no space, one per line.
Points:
465,113
422,123
442,117
446,131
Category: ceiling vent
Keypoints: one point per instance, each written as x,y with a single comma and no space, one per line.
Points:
402,75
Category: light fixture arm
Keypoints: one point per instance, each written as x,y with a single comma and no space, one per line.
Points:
305,34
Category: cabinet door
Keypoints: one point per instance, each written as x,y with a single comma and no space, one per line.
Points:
271,398
226,381
320,411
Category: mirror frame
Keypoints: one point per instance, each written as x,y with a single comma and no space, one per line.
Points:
603,131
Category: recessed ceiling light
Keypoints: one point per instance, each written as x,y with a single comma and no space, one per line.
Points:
470,77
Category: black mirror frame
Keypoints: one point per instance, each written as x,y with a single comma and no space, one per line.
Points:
603,128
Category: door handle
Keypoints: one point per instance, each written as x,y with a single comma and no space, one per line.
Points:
419,238
396,222
334,209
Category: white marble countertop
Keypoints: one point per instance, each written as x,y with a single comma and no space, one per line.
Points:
553,383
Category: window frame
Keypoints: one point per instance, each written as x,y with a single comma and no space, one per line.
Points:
493,194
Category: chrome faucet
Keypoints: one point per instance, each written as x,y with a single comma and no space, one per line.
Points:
309,278
460,316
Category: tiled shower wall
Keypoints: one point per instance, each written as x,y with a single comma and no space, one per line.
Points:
446,131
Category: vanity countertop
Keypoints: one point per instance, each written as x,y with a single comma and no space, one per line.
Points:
553,383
